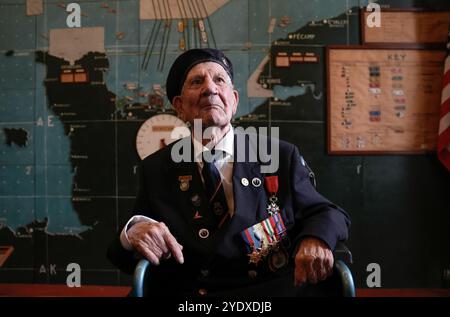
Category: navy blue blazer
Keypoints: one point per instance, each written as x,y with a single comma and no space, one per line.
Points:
220,262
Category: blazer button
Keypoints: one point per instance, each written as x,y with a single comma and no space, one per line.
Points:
202,292
205,273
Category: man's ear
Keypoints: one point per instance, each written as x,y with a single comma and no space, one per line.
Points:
178,105
236,98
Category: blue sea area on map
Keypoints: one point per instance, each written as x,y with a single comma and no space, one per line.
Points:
284,92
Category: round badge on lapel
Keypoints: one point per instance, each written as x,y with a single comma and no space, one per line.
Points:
244,181
203,233
256,182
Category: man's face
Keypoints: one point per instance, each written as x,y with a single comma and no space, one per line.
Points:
207,94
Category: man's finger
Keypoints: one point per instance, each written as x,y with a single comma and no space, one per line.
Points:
300,277
319,268
300,270
312,276
174,246
148,255
329,262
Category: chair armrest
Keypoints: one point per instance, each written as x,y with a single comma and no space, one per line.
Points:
343,258
345,275
139,278
341,252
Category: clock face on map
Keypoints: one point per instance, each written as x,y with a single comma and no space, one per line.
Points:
159,131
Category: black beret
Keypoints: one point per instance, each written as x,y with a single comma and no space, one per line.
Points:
183,64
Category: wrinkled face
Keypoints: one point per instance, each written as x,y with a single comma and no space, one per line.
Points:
207,94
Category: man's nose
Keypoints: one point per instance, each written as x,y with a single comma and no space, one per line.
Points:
209,87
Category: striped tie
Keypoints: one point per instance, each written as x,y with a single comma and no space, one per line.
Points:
213,185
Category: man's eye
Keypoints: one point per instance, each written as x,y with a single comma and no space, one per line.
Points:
220,79
196,81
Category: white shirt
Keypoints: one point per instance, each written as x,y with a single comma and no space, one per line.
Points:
225,167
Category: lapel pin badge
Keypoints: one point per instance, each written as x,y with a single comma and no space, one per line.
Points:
184,182
256,182
196,200
197,215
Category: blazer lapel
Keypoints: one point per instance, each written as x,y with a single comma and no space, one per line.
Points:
248,184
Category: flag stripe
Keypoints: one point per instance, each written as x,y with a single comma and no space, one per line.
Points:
445,93
444,123
446,78
445,108
443,142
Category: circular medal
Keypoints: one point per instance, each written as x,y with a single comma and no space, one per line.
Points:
278,259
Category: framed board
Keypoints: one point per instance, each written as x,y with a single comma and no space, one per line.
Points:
413,26
383,100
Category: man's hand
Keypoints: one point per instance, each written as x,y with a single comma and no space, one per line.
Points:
313,262
155,242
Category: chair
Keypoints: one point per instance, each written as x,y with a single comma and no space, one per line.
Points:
342,255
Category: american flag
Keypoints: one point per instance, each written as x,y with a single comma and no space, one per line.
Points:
443,146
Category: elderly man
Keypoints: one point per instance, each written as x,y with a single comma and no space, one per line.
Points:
221,226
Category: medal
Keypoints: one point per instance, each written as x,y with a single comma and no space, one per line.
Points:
261,238
255,257
272,207
271,183
278,259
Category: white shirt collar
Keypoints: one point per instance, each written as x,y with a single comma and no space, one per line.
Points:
226,144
